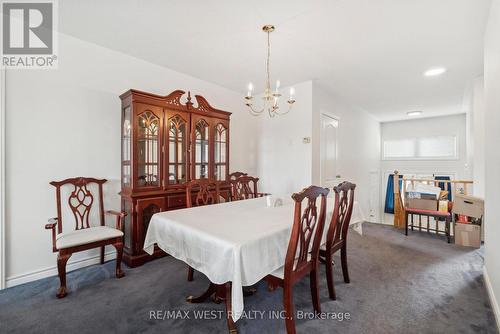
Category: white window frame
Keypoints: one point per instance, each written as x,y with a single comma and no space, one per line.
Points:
416,139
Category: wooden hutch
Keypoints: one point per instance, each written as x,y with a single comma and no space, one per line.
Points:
166,143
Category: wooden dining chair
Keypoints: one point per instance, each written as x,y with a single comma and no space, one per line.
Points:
235,175
336,238
201,192
303,251
245,187
85,236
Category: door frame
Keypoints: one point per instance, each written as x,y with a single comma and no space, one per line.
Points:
2,177
333,116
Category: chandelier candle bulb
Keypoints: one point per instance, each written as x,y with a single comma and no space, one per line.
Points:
250,88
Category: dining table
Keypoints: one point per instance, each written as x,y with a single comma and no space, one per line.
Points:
234,244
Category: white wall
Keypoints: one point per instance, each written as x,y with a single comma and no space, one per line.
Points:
66,122
492,153
284,164
358,147
447,125
287,165
478,126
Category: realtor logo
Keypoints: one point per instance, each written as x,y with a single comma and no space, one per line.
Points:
28,34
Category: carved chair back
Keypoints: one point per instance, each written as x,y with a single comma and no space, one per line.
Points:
80,201
303,247
244,187
235,175
202,192
339,225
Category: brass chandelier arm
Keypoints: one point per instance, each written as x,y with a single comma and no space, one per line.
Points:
253,111
279,113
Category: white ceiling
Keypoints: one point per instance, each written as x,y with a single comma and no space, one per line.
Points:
372,53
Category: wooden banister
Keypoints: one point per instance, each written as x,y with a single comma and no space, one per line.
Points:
399,214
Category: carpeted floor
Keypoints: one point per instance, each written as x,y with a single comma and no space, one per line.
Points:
414,284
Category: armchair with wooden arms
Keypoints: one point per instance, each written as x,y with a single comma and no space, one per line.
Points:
84,236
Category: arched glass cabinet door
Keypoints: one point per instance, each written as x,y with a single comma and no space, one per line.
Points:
220,152
177,141
201,149
148,147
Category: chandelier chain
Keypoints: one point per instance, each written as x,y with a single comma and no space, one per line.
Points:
268,85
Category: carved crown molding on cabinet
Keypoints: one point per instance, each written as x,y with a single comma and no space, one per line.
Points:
173,100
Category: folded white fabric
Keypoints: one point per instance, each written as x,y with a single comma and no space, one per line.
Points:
424,188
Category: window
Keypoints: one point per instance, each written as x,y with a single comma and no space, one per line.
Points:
438,147
399,148
420,148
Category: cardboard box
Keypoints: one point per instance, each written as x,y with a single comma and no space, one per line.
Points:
443,205
422,204
468,235
468,206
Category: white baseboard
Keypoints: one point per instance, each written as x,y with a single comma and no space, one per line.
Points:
52,271
491,294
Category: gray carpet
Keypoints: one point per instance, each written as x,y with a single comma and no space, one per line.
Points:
414,284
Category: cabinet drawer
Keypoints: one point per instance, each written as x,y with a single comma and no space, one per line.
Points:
176,201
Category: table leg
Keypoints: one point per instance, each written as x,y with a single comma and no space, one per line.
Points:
220,292
212,288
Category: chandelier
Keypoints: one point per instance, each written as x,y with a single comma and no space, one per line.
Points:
271,98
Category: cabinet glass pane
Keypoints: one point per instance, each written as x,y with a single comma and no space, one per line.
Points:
176,150
220,172
220,143
126,134
147,149
201,153
126,137
126,176
220,152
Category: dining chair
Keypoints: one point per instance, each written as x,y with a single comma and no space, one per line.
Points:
303,250
245,187
336,238
198,193
235,175
85,236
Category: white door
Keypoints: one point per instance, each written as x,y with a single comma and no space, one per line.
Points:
328,152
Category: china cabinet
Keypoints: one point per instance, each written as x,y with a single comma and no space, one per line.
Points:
165,143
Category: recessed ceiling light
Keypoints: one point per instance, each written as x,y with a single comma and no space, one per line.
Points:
432,72
414,113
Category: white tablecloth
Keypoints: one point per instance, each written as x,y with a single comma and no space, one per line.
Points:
240,241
